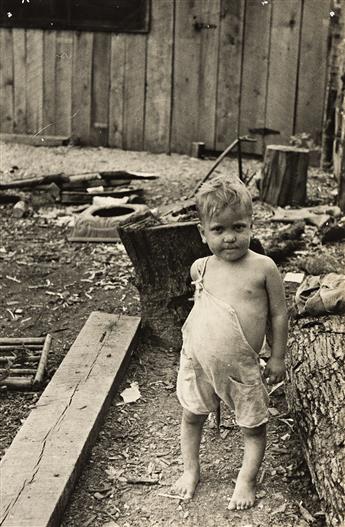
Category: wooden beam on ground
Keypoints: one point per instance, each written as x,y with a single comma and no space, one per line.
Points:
35,140
39,470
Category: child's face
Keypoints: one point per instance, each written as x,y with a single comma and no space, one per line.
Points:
228,233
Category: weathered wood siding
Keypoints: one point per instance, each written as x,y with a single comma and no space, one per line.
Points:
206,71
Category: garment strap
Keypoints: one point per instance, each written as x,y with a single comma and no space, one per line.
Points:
202,268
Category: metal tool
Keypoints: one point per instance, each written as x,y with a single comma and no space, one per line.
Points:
220,158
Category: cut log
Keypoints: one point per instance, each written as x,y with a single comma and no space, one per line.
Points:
316,396
284,175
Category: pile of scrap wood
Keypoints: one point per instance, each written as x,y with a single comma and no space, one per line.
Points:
23,362
74,188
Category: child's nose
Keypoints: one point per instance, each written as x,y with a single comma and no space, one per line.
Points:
229,237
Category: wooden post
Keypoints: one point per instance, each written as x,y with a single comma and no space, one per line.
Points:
339,139
316,397
284,177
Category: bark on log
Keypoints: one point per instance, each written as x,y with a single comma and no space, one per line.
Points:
284,176
316,396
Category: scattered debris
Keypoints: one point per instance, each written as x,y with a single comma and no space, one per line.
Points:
321,295
296,278
321,264
306,514
333,233
142,481
130,395
23,361
76,188
317,216
171,496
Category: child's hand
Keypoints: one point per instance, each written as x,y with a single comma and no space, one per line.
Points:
274,370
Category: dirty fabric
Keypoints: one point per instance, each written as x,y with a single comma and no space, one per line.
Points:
321,294
217,362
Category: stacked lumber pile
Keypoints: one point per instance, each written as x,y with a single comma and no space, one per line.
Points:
75,188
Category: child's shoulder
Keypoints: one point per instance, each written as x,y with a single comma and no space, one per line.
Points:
197,267
261,261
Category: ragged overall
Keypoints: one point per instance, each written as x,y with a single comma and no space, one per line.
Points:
217,363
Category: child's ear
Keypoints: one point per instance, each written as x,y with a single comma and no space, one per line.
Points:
202,232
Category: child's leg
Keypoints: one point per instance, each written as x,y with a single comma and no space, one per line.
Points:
254,450
191,430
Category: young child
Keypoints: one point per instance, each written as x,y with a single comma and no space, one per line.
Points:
236,292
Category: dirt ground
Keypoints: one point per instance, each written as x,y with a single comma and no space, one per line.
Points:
51,285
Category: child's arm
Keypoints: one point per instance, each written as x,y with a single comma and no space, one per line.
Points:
193,271
275,367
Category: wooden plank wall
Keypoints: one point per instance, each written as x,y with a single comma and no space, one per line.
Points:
206,71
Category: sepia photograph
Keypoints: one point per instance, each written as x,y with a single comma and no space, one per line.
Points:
172,263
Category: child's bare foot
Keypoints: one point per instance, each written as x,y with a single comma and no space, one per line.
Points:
244,494
186,484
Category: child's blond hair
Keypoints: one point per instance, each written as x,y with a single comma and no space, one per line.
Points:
221,192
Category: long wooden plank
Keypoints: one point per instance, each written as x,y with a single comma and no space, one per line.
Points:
207,95
159,77
35,140
116,94
282,80
81,90
6,80
41,466
34,80
229,72
19,80
100,89
134,94
255,71
312,68
49,82
186,76
63,97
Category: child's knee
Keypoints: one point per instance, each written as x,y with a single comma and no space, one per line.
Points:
193,419
257,431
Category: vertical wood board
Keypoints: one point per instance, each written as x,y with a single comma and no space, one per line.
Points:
186,76
100,89
6,80
81,87
64,61
134,93
312,68
47,455
282,81
255,71
49,83
19,80
229,72
159,77
34,80
116,92
207,93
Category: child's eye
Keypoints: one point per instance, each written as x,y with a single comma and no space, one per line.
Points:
239,228
217,229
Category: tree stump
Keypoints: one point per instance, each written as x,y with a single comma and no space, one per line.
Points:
162,256
284,175
316,396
